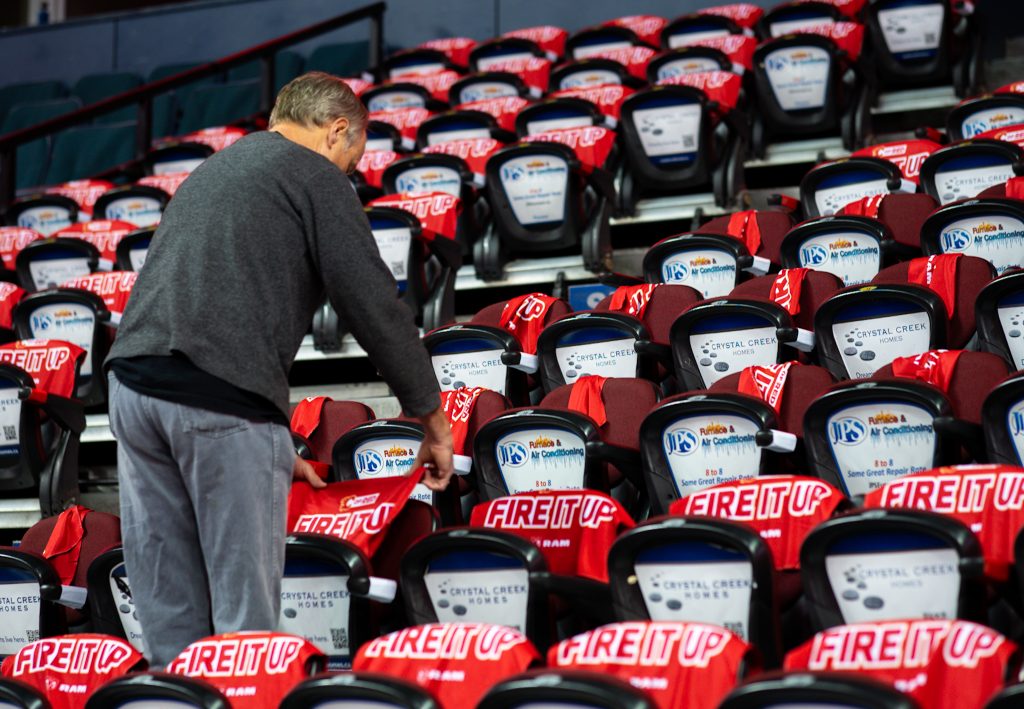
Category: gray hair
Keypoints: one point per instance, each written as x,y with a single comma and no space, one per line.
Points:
317,99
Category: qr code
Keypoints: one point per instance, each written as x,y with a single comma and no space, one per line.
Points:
397,268
930,38
734,628
32,635
339,638
10,433
689,141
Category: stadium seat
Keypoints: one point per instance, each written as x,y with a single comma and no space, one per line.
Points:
932,661
71,541
1003,424
89,150
417,61
788,389
320,421
792,17
336,569
130,254
730,53
139,205
90,661
678,664
655,305
176,155
46,263
75,316
992,229
12,240
711,23
442,572
497,348
474,657
487,85
34,579
827,98
33,157
40,458
19,695
829,187
902,213
345,59
111,604
30,92
860,435
600,38
219,105
852,248
558,112
720,337
97,87
44,213
287,65
83,192
569,165
997,312
711,263
871,566
798,291
698,570
459,124
157,688
761,230
684,135
532,449
690,442
965,169
809,688
399,94
354,690
282,661
583,689
380,448
975,116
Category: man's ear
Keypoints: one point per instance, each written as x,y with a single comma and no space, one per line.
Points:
338,131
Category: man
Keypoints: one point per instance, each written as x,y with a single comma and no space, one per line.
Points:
199,372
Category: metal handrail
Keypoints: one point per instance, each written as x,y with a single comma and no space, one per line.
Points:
143,95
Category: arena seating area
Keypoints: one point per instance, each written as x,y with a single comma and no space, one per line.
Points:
726,310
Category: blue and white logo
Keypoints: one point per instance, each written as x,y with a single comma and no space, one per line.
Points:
956,240
369,463
777,62
512,454
41,323
682,441
409,183
847,431
813,255
674,271
1017,422
512,173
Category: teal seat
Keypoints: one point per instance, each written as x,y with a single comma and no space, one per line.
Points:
167,106
85,152
96,87
32,92
219,105
287,65
33,157
347,59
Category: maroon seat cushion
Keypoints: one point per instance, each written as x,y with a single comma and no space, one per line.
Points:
817,287
975,376
336,418
905,214
972,275
804,384
773,224
667,303
491,315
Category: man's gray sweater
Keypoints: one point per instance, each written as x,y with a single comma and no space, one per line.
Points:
244,255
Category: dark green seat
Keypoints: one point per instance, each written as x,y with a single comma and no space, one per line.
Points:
347,59
166,106
32,92
219,105
287,65
90,150
96,87
33,157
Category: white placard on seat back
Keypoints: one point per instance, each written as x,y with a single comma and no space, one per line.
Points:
708,449
541,459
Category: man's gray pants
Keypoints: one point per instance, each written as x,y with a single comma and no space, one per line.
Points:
203,506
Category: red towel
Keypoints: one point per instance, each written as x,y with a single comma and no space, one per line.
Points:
524,317
632,300
786,288
935,367
938,273
743,225
585,397
306,416
766,382
457,405
64,547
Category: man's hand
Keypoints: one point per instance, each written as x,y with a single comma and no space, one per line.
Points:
302,470
436,451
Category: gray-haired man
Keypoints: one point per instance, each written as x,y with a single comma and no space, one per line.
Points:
244,254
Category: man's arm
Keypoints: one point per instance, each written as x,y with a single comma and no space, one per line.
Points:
362,290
